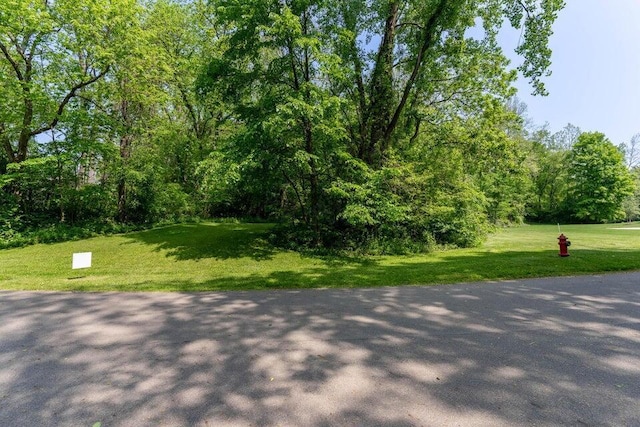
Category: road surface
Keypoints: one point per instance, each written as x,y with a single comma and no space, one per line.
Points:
559,351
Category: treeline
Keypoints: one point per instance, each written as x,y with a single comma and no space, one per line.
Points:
583,177
377,125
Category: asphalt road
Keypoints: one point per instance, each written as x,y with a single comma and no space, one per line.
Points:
535,352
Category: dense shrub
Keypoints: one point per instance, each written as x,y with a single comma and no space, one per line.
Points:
11,238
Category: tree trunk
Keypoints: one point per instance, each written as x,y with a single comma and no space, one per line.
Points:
314,197
381,92
383,115
125,153
314,208
6,145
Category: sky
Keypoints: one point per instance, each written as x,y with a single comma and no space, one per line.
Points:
595,81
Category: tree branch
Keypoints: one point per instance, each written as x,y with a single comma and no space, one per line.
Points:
300,202
412,24
6,144
429,36
72,93
416,131
525,8
13,63
189,107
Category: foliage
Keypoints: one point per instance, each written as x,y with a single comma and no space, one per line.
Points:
600,181
338,158
631,204
50,52
12,238
548,170
372,126
578,177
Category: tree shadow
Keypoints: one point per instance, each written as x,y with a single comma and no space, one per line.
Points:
544,352
225,241
209,240
373,272
233,241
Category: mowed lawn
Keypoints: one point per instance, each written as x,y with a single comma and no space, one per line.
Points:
212,256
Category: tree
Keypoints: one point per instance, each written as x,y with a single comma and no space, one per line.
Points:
190,127
49,53
271,71
364,123
600,180
565,138
632,151
631,204
426,60
53,55
548,172
327,116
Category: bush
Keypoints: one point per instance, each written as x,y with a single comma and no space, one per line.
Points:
12,238
391,211
172,204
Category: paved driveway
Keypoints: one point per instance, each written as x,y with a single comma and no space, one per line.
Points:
535,352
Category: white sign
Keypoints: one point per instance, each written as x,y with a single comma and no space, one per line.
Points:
81,260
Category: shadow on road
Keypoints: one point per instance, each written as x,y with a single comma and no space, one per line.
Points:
549,352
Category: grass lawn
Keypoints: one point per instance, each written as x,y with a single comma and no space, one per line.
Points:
211,256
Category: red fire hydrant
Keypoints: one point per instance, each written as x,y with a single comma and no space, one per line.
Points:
564,245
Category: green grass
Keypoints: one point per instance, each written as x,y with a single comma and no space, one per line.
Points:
210,256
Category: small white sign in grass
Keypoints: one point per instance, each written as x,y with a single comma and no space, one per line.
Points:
81,260
625,228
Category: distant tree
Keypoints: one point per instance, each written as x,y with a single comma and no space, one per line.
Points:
600,179
547,167
631,204
565,138
632,151
549,185
519,107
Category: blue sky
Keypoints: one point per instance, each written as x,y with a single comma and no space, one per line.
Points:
595,81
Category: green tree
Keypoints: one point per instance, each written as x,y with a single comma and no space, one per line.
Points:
49,53
548,170
631,204
600,180
318,101
53,57
425,59
190,129
142,107
271,72
364,123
